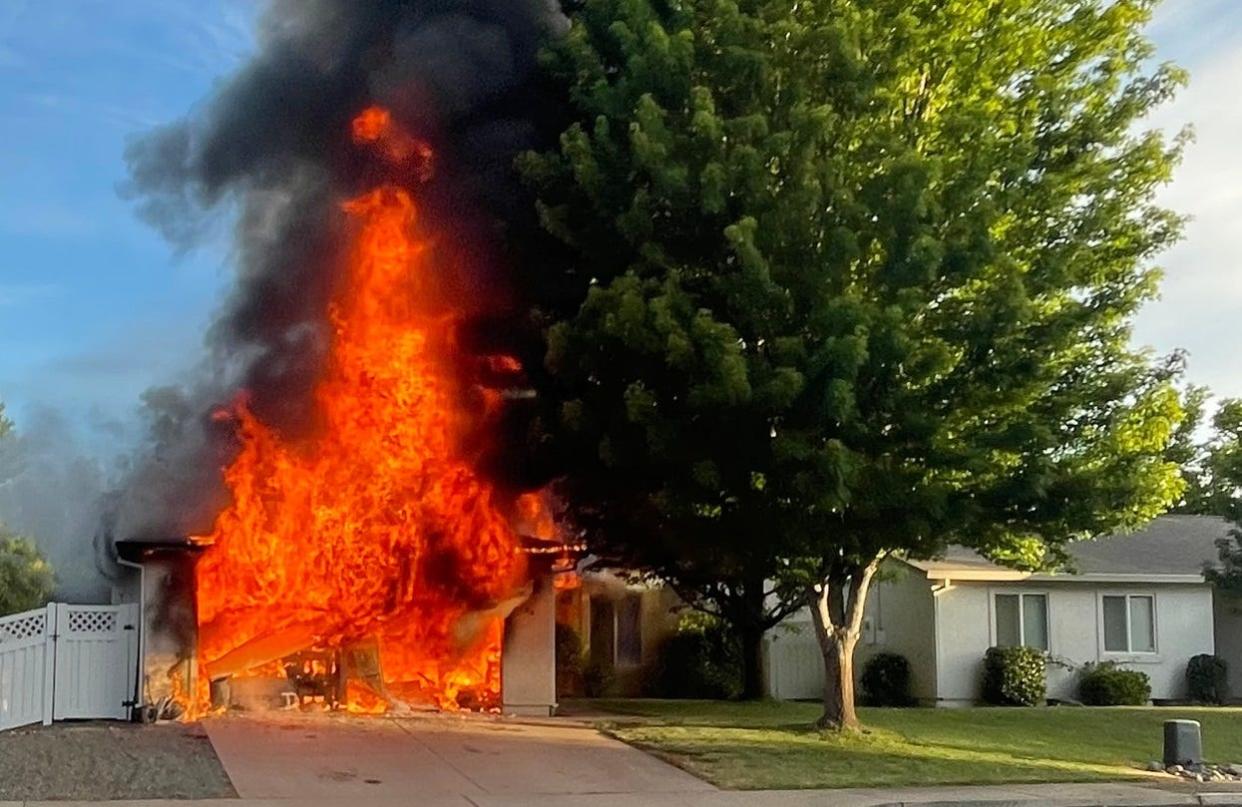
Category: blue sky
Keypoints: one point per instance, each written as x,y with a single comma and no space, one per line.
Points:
95,307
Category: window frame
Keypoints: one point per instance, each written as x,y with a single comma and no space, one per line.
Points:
637,598
1020,593
615,602
1129,653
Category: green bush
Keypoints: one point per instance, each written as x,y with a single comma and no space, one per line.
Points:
1207,678
702,660
1106,684
598,677
886,681
1015,676
568,661
26,578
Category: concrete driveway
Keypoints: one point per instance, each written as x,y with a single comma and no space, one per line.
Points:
433,759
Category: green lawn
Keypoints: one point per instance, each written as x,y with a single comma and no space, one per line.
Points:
771,745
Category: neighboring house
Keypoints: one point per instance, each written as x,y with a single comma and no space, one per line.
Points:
1138,599
622,626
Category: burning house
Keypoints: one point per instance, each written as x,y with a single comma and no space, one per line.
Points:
344,531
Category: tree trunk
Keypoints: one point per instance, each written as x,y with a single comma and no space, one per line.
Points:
754,683
750,631
837,606
839,713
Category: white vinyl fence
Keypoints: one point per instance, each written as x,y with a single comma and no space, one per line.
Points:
68,661
795,666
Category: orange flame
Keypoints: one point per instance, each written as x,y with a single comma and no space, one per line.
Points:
374,125
377,530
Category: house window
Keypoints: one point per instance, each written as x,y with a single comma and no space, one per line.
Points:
630,631
1022,619
617,630
1129,623
603,638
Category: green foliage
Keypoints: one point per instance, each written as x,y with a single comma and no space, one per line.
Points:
886,681
848,278
1211,468
1227,575
701,660
598,678
1015,676
26,578
1207,679
569,660
1187,449
1106,684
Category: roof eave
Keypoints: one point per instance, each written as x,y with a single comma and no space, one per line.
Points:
969,574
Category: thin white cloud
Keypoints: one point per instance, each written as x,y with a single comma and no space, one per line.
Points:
1202,290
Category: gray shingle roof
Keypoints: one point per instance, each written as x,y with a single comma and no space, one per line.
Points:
1168,545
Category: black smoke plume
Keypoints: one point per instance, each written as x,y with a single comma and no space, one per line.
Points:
273,148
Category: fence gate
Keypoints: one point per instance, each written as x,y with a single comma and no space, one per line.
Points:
68,661
96,661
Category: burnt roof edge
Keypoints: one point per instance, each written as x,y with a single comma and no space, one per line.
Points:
135,550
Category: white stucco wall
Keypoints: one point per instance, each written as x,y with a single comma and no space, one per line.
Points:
1229,641
528,660
900,618
1184,627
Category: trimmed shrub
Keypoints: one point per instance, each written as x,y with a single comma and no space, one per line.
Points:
886,681
1207,678
1015,676
598,678
702,660
1106,684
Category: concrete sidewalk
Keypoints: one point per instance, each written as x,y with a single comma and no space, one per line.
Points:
294,760
1064,795
276,760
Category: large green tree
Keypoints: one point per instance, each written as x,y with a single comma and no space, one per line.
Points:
26,578
1189,451
856,279
1213,470
1213,467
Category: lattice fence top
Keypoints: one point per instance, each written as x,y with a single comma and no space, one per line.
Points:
92,621
28,625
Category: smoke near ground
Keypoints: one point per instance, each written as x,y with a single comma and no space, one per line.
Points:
273,148
52,489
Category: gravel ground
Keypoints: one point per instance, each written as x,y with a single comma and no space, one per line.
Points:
103,761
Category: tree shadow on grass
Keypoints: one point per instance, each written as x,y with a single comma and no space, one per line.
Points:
749,759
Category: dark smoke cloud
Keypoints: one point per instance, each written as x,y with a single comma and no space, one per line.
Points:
273,148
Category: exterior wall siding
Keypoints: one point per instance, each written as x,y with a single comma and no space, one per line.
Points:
1228,617
1184,628
660,612
900,618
